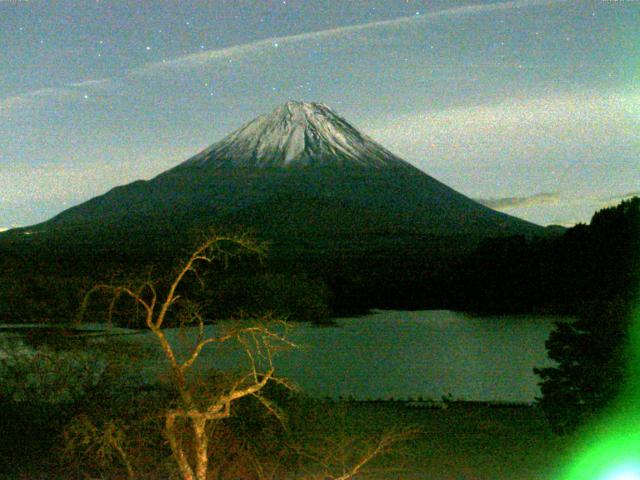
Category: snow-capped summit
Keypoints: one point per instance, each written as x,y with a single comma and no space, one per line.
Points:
296,134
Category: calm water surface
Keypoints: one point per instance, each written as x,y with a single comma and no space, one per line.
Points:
398,354
423,353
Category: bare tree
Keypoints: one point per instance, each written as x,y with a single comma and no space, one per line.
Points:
186,424
258,341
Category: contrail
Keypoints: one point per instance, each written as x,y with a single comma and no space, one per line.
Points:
202,59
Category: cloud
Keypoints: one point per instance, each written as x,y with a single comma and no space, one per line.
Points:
28,98
624,196
613,200
204,59
515,130
512,202
101,83
69,91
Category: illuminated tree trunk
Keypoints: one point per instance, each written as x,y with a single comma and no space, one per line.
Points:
176,448
200,447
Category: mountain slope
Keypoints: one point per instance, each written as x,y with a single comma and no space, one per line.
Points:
298,174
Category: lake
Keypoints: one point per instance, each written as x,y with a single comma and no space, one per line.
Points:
409,354
399,354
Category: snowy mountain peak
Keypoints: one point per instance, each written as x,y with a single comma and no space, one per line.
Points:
297,106
296,134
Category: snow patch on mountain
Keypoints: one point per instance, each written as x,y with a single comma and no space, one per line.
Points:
297,134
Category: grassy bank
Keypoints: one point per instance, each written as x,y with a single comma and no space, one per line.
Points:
462,442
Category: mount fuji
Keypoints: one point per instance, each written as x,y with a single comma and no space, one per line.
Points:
297,134
301,177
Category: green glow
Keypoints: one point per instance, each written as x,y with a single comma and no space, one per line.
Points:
628,471
610,449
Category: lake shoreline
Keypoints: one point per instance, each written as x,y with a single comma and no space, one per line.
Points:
382,356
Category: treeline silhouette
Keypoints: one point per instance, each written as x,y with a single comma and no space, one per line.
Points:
594,355
556,273
595,262
44,276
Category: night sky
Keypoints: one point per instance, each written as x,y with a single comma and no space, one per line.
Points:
531,106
